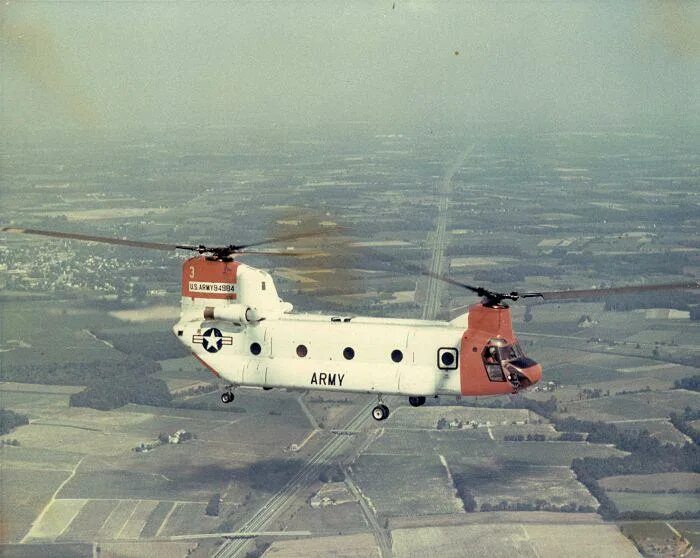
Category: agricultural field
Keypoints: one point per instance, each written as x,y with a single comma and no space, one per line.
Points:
26,493
650,502
660,429
86,524
428,416
431,489
329,519
660,482
505,540
633,406
62,335
521,484
345,546
506,454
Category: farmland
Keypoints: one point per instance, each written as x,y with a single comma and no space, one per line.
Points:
661,482
431,490
634,406
503,540
659,503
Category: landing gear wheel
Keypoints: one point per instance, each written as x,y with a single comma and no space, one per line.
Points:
380,412
416,401
226,397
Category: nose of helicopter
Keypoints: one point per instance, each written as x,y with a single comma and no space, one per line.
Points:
525,372
533,373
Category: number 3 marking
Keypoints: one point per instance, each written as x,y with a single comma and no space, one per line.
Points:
191,272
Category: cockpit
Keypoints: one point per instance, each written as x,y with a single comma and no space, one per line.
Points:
507,362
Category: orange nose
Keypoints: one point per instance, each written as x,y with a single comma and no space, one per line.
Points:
533,373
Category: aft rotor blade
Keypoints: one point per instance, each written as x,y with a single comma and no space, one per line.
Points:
102,239
602,293
294,236
405,266
285,254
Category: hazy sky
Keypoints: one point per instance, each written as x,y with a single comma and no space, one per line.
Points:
114,64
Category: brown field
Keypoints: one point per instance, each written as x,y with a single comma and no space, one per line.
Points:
508,540
136,522
25,493
116,520
330,519
56,519
87,523
189,518
347,546
660,482
140,549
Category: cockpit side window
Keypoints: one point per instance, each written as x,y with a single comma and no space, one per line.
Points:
492,362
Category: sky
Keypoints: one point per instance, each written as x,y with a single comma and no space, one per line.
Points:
385,64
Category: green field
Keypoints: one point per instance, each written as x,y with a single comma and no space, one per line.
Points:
660,503
51,333
659,482
634,406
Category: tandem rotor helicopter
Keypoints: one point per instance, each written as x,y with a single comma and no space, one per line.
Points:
234,322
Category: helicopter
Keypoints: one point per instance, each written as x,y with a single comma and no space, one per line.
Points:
234,323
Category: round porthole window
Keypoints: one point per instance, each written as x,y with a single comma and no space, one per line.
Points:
447,359
396,355
302,351
348,353
255,348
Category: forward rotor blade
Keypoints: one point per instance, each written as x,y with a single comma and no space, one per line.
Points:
602,293
102,239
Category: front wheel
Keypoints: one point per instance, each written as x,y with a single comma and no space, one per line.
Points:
380,412
226,397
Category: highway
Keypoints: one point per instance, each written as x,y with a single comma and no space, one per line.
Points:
434,287
335,446
308,474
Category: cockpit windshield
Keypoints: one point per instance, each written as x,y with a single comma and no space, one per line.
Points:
510,352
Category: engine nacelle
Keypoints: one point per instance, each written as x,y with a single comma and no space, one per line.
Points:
236,313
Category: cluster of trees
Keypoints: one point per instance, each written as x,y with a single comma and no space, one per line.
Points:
647,456
332,473
660,299
214,506
79,373
465,495
10,420
109,393
154,345
692,383
682,423
538,505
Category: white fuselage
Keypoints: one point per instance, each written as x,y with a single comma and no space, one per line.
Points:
374,343
251,338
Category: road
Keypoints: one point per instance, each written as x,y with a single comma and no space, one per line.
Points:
434,287
335,446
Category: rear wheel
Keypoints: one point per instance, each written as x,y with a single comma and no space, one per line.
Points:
226,397
416,401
